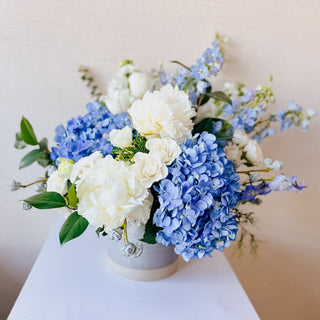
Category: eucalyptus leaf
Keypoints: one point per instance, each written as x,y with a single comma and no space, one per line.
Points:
31,157
72,228
43,144
220,96
46,200
19,143
44,162
72,196
27,133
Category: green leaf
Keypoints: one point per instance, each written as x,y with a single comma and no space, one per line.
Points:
150,232
19,143
43,144
99,230
47,200
72,196
31,157
208,124
44,162
220,96
72,228
27,133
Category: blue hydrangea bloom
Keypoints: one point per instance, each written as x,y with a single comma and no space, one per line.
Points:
196,200
86,134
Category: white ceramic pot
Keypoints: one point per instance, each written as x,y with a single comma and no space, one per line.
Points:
155,263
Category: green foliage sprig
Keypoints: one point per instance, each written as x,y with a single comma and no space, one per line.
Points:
27,137
89,79
127,153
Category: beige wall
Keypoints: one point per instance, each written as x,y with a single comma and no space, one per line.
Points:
43,43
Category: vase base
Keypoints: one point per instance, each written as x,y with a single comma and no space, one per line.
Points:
143,274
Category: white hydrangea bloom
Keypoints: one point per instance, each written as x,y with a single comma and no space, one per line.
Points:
163,114
118,98
139,84
111,193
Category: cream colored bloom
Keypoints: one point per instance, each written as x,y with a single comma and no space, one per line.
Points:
165,149
163,114
84,166
254,152
233,152
111,193
139,84
148,168
240,138
56,183
121,137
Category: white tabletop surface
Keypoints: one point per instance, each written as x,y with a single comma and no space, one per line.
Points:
74,283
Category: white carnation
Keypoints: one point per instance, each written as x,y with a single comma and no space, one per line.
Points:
111,193
148,168
139,84
163,114
240,138
121,137
165,149
254,152
56,183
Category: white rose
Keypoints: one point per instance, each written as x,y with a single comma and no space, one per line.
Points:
254,152
121,137
165,149
148,169
57,183
163,114
83,167
139,84
111,193
240,138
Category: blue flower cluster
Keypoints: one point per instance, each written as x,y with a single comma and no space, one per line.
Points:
280,183
196,200
86,134
193,81
295,115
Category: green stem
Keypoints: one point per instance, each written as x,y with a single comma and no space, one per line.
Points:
254,170
181,64
125,232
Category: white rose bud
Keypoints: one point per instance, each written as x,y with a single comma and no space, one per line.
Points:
121,137
56,183
65,167
148,169
138,84
254,152
240,138
166,149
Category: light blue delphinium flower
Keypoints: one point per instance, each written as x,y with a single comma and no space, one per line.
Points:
86,134
196,200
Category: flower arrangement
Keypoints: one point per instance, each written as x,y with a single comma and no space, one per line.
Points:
166,151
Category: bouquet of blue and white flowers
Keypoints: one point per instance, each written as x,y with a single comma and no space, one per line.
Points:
167,151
